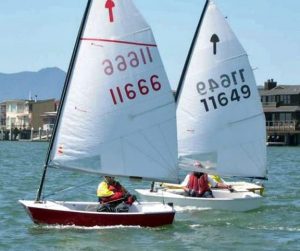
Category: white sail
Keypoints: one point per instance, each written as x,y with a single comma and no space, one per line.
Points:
221,125
118,116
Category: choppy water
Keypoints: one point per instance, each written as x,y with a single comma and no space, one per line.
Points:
275,226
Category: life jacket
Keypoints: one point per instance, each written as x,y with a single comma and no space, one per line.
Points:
199,185
110,192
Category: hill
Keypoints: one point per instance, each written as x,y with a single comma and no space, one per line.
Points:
46,83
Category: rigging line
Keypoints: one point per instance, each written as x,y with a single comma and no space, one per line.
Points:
165,161
158,152
145,154
69,188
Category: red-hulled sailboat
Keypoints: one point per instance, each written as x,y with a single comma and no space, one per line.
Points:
117,117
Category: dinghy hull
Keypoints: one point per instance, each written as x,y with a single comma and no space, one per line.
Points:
224,199
84,214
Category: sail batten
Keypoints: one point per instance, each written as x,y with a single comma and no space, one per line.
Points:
220,121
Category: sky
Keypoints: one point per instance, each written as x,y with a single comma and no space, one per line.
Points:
36,34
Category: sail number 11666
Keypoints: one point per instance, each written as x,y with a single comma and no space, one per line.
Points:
130,91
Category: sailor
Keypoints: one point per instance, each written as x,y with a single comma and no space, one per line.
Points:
111,194
199,184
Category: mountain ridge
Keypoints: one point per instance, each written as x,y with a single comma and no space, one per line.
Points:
46,83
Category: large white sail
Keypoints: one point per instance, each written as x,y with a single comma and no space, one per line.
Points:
118,115
221,125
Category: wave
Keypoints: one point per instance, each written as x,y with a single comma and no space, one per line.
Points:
276,228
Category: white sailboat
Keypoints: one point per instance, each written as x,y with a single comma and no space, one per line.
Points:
117,117
220,121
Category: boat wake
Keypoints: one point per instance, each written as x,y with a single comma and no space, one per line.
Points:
87,228
189,208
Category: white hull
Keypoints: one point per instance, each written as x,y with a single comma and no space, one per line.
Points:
223,199
242,186
238,186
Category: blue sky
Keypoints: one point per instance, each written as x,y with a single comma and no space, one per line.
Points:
41,33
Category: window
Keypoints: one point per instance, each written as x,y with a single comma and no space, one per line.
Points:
264,99
272,98
285,116
12,108
20,108
286,99
288,116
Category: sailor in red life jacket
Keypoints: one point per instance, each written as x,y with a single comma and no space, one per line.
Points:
197,185
111,191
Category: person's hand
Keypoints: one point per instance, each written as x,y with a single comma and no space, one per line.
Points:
230,188
127,195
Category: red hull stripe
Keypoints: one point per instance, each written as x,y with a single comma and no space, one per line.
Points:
117,41
57,217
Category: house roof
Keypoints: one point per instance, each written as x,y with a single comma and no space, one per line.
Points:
25,101
281,90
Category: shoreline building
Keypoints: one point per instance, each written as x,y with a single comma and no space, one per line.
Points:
20,118
281,105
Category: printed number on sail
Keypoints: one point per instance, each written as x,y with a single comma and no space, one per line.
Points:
222,100
225,81
130,91
131,59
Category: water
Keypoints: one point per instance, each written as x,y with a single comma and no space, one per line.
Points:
275,226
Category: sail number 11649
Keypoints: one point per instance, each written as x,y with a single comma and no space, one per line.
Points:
222,99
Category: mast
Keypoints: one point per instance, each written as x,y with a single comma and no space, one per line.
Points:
65,88
188,59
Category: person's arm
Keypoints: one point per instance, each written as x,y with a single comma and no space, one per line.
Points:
123,189
185,181
212,182
224,186
215,184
